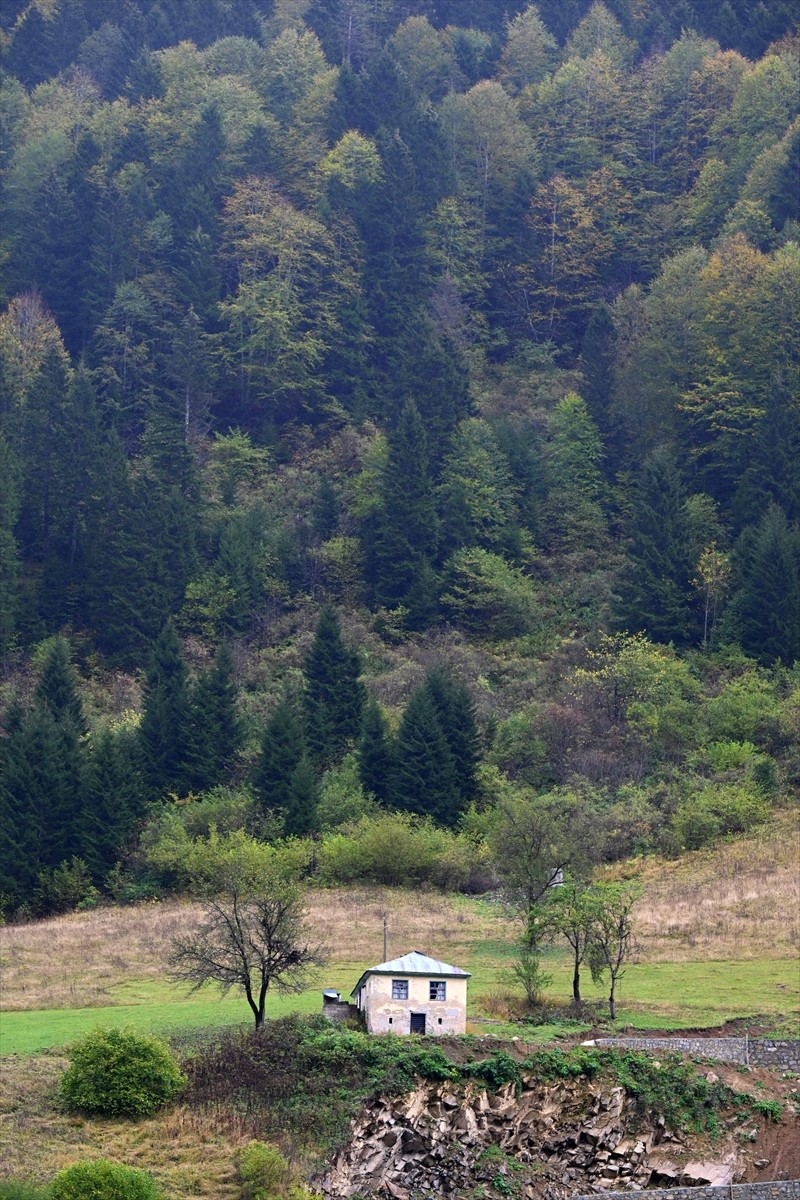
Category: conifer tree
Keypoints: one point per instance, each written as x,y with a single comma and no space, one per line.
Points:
376,759
573,514
597,368
164,728
426,778
282,749
405,537
655,593
56,692
765,610
58,720
215,732
456,715
113,802
334,698
301,800
9,554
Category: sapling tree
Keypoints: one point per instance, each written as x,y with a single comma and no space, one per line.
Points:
572,910
612,937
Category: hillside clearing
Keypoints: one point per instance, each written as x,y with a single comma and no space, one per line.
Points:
718,933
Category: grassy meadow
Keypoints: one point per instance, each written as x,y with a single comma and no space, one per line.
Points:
718,933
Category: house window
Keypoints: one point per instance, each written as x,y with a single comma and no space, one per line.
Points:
399,989
438,990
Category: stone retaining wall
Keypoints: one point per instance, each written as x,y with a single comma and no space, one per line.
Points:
783,1054
786,1189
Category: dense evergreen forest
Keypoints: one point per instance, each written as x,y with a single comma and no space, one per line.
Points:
400,434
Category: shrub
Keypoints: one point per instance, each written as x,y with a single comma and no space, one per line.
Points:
397,848
263,1172
118,1073
718,810
103,1180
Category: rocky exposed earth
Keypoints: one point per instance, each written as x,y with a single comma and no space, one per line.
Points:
547,1143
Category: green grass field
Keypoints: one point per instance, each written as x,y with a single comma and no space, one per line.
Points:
651,996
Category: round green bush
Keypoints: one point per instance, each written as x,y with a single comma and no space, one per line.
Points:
103,1180
118,1073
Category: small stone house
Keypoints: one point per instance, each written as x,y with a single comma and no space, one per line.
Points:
413,994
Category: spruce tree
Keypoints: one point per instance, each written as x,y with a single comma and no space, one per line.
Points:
376,759
456,715
301,800
164,728
425,779
655,595
9,554
114,800
58,720
334,697
56,692
215,732
282,749
764,612
404,538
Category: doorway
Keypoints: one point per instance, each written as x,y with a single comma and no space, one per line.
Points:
418,1022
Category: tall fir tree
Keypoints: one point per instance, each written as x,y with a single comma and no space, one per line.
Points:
334,697
426,780
165,723
57,693
215,731
376,759
9,552
57,700
405,535
301,800
456,714
764,613
114,800
655,595
283,747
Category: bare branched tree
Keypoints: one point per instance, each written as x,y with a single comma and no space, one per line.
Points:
252,938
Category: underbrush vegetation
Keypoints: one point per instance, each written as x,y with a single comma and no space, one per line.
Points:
309,1079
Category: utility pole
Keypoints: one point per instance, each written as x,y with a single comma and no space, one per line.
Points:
385,936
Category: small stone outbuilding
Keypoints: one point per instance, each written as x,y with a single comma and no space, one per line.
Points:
413,994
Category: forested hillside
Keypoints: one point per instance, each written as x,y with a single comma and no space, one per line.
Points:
400,414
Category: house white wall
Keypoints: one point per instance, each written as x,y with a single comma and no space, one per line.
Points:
386,1015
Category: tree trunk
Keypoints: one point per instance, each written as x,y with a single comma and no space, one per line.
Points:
576,981
612,1003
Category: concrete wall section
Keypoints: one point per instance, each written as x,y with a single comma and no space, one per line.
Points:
781,1053
786,1189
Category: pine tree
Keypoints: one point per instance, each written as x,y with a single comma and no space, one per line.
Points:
57,702
9,555
215,732
282,749
573,516
425,779
334,698
57,693
114,800
655,595
301,800
456,714
597,368
376,759
405,535
765,610
164,728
